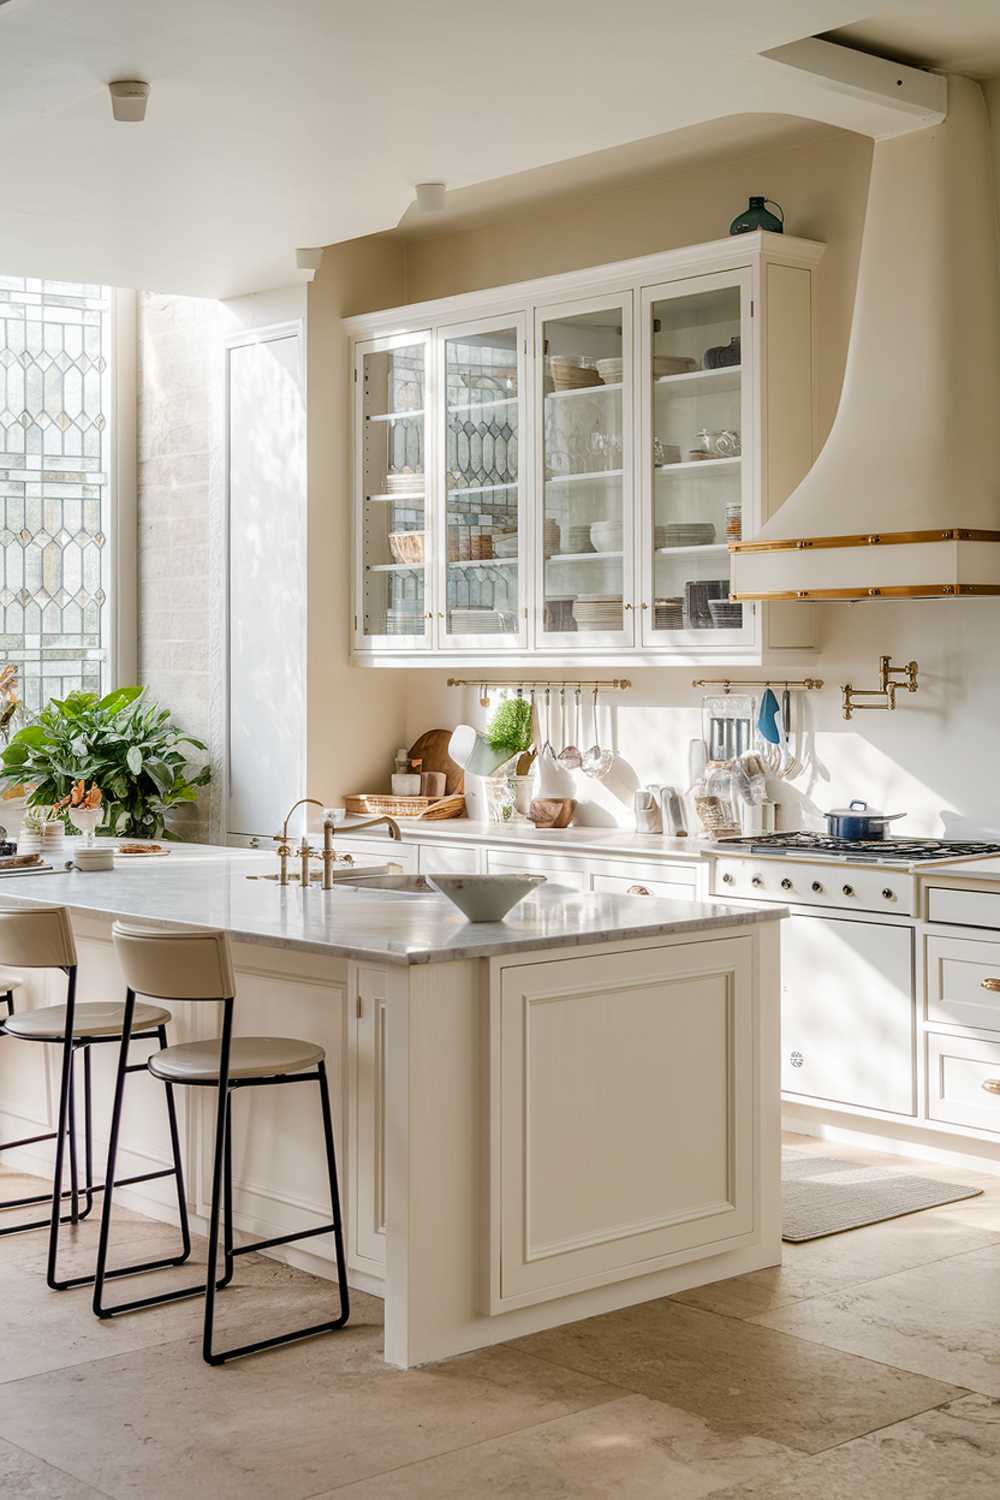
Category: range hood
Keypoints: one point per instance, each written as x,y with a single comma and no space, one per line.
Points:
904,499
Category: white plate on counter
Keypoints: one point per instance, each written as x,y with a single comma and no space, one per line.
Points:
141,853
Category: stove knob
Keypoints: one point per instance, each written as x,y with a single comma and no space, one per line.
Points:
727,880
756,880
786,884
888,893
817,887
848,890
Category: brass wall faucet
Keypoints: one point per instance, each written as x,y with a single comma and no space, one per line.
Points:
890,679
305,853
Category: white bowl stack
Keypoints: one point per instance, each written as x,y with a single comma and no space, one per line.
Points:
607,536
598,611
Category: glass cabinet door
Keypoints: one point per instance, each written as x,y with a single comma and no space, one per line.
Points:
697,433
393,542
584,358
480,589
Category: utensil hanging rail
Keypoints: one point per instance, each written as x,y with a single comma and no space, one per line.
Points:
808,684
611,684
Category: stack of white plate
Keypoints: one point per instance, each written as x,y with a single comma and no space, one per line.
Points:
668,614
610,370
689,534
607,536
48,840
577,539
482,622
598,611
406,483
403,622
673,364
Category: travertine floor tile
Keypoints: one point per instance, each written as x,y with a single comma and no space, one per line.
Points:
292,1423
941,1320
818,1268
42,1330
949,1454
742,1385
633,1448
28,1478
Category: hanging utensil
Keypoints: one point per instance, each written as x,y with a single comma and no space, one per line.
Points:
547,748
569,755
595,761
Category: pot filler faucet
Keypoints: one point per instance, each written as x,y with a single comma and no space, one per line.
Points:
305,853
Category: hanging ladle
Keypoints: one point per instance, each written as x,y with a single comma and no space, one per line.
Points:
596,762
569,755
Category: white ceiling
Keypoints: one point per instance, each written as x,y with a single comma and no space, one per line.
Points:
281,123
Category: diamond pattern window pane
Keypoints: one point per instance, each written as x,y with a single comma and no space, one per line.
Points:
55,464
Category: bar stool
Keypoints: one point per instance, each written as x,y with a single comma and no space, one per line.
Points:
40,937
196,965
9,983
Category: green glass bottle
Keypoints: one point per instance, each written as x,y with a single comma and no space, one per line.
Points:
756,215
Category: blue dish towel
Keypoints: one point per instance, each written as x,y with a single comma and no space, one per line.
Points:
767,718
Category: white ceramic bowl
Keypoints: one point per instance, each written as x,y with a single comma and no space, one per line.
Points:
95,858
485,898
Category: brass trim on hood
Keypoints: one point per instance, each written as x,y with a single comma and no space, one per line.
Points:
865,539
889,591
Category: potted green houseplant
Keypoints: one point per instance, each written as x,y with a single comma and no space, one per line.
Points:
126,747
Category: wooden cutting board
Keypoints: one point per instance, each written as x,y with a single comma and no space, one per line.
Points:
431,749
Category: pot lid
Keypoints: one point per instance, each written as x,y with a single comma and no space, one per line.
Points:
862,810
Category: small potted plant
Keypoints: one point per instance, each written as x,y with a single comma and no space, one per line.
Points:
510,733
84,807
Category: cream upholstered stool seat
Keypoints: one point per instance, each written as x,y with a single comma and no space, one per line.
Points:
91,1018
195,964
249,1057
40,937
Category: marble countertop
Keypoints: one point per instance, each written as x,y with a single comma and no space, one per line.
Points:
207,886
577,840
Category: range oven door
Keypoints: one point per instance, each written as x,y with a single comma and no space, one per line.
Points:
848,1012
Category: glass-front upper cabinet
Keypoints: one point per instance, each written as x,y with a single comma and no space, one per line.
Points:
584,540
393,541
479,548
697,474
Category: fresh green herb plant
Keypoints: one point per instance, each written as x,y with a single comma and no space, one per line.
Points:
129,748
510,727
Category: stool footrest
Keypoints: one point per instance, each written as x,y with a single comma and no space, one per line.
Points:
149,1265
29,1140
283,1239
281,1338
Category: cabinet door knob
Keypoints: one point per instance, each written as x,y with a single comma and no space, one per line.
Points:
756,880
848,890
989,984
817,886
727,880
992,1085
786,884
637,890
888,893
628,606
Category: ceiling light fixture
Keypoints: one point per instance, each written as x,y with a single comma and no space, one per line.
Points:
128,99
430,197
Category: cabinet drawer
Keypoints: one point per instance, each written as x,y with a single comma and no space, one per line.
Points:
963,908
956,971
630,885
957,1068
513,862
440,859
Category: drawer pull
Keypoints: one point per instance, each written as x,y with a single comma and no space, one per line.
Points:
992,1085
637,890
727,879
990,984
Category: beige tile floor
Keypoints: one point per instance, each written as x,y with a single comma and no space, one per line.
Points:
867,1364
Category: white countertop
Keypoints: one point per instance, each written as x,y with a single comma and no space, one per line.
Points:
207,886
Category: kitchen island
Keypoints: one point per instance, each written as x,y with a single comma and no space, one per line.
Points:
537,1120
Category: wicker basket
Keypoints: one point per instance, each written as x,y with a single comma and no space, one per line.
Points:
374,804
407,546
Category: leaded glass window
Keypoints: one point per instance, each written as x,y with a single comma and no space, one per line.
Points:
55,468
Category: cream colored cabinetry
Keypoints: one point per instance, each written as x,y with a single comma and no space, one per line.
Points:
621,1115
551,471
366,1030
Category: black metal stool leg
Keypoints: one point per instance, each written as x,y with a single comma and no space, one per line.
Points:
7,999
74,1179
175,1147
65,1096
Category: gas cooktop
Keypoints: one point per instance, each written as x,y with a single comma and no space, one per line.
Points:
878,851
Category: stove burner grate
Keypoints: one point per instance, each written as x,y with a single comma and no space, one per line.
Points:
895,849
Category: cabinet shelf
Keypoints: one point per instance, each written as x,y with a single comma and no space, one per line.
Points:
395,567
596,477
482,562
701,382
403,497
395,416
481,489
577,557
467,406
711,465
582,390
677,551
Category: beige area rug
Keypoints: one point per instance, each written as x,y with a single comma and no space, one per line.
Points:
826,1195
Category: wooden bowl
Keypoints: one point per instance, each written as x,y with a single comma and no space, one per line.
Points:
552,812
